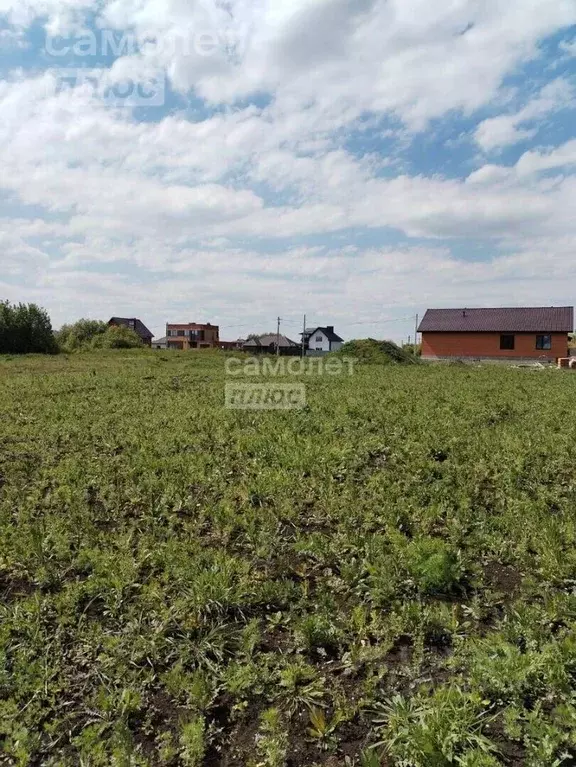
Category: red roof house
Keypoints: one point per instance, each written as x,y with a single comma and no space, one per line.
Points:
536,333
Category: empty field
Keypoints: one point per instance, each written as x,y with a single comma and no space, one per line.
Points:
387,576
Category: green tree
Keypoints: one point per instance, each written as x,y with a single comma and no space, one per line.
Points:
117,337
81,334
25,329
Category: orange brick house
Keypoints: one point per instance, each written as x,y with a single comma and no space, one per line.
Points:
192,335
537,334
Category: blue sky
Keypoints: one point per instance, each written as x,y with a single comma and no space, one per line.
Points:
357,162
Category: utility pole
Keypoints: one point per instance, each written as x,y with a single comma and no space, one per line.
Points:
303,337
278,338
416,332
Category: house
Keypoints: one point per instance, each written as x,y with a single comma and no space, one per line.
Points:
134,324
232,345
322,340
266,344
192,335
160,343
306,336
534,333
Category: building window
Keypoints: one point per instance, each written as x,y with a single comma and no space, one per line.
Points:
319,339
543,342
507,342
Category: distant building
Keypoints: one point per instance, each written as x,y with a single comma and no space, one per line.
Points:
134,324
539,333
306,336
267,343
232,345
160,343
322,340
192,335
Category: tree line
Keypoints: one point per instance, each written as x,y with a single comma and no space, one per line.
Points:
27,329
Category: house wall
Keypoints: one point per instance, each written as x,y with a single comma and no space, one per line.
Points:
210,337
319,346
146,340
487,345
229,345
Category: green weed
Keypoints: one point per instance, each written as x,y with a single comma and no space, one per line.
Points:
180,582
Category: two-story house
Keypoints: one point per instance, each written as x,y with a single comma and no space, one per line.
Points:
322,340
192,335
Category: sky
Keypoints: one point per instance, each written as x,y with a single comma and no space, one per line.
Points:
232,161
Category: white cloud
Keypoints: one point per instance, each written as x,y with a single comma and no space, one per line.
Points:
415,59
538,160
524,175
245,291
108,173
504,130
411,58
569,47
18,257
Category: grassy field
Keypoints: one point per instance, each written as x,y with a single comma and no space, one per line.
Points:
387,577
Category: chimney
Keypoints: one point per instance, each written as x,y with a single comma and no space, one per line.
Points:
330,328
464,312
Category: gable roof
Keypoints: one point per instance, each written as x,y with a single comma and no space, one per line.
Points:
544,319
160,340
329,333
269,339
139,326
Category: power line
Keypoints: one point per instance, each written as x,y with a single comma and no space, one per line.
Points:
382,322
297,322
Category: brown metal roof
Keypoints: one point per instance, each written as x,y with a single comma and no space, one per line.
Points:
544,319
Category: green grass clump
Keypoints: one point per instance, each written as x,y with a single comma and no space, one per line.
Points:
368,350
437,729
434,566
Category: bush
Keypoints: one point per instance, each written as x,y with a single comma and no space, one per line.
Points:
414,349
80,335
377,352
25,329
117,337
85,335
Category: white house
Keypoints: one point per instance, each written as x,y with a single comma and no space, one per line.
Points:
160,343
323,340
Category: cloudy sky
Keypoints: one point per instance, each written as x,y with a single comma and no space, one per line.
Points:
229,161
